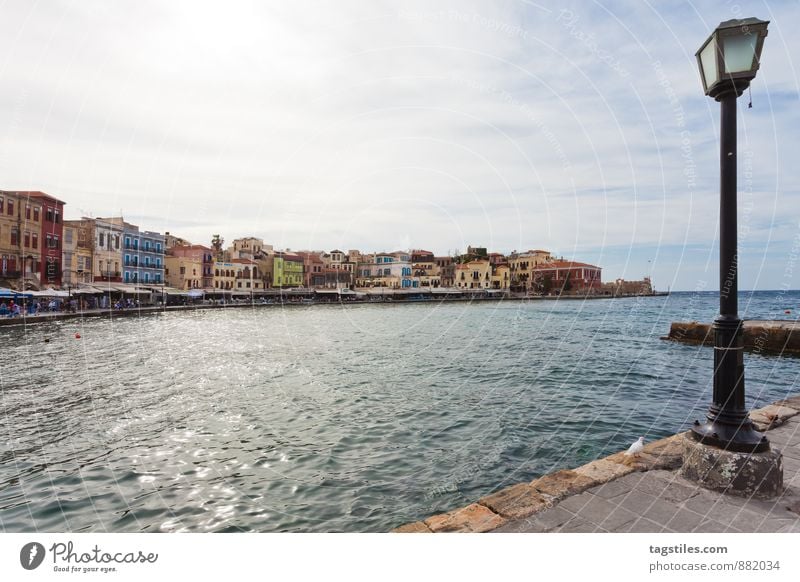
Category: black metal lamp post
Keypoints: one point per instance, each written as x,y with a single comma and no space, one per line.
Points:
728,61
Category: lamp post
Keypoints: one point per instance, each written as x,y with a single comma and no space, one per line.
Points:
728,61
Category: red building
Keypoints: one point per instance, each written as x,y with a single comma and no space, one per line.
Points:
51,237
567,277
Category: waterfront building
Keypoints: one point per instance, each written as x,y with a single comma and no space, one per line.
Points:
107,254
189,267
313,269
447,271
425,269
474,274
51,234
391,270
77,254
237,275
566,277
20,241
337,270
522,266
287,270
143,256
184,272
248,248
501,276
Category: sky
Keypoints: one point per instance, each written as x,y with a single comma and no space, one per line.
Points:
578,127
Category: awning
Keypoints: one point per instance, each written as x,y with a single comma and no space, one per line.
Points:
6,293
196,293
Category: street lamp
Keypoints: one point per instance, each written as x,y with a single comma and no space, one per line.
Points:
728,61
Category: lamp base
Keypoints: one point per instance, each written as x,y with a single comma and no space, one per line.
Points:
741,438
757,475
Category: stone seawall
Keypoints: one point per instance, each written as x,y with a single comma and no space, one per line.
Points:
775,337
520,502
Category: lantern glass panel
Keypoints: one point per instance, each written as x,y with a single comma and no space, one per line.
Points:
739,52
708,57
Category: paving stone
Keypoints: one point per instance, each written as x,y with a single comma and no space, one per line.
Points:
551,519
636,501
603,470
416,527
516,501
578,525
640,525
612,488
605,513
774,525
576,502
666,485
664,513
562,483
791,528
472,518
685,521
711,526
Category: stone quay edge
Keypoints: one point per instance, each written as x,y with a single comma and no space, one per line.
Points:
524,500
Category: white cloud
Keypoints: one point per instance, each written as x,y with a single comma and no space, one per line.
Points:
353,124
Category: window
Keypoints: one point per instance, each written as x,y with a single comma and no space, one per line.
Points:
147,277
50,215
127,242
127,276
116,241
127,260
27,212
10,207
2,202
27,239
183,270
102,239
14,237
36,211
68,236
158,278
57,217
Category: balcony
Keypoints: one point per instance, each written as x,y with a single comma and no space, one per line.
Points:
110,274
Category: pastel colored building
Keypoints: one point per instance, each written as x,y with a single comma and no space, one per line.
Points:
107,255
20,241
143,256
287,270
77,255
475,274
190,267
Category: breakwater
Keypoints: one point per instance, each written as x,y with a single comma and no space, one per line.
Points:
774,337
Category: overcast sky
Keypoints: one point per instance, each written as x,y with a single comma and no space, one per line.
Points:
577,127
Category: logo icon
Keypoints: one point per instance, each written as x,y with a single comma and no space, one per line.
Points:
31,555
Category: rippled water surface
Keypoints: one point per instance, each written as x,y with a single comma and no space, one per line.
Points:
331,418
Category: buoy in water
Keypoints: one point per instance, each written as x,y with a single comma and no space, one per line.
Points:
788,311
77,336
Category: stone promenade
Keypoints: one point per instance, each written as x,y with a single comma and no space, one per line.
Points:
646,494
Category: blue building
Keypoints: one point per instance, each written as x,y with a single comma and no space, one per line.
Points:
142,256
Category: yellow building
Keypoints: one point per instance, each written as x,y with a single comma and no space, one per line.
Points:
287,270
77,254
183,272
238,275
476,274
522,266
501,277
20,244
